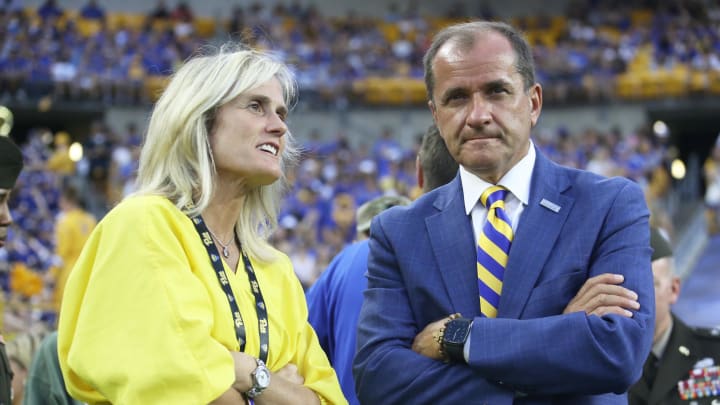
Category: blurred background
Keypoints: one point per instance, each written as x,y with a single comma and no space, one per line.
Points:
631,88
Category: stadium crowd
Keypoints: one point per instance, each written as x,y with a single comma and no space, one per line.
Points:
116,58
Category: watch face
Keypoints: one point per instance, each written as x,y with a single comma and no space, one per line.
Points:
262,377
456,332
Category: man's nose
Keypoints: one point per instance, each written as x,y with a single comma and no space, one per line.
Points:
480,113
5,216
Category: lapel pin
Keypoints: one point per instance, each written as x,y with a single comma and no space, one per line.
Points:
550,205
684,351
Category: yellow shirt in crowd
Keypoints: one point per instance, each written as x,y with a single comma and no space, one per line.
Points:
145,321
71,231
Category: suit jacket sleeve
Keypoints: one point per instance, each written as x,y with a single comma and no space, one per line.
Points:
575,353
386,369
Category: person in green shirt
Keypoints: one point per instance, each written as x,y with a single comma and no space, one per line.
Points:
45,384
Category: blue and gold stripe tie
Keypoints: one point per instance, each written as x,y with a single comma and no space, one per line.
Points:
492,250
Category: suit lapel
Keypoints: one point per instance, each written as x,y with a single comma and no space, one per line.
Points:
678,359
453,246
538,229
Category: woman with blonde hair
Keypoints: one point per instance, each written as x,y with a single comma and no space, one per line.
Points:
177,298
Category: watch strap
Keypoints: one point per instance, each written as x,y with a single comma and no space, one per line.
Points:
256,389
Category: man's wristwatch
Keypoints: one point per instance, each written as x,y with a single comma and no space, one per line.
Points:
453,341
260,378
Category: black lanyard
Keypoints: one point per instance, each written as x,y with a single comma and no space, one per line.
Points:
254,286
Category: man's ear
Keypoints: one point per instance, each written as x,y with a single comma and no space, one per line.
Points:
419,173
536,100
675,288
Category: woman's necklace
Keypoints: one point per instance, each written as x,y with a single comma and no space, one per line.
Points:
225,246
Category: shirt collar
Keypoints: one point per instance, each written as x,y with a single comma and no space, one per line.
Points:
659,348
517,180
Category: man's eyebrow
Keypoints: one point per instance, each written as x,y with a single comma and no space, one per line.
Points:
497,83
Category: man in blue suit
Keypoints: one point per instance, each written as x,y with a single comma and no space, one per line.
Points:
423,335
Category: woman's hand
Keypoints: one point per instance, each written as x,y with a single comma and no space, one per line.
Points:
245,364
286,385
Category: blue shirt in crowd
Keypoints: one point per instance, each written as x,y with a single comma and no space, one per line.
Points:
334,303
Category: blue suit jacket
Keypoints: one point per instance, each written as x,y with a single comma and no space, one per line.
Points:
334,303
421,268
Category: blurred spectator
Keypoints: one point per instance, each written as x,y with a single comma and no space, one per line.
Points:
60,162
64,72
124,164
11,6
72,229
160,11
92,10
98,152
680,354
21,350
182,17
45,384
14,72
49,10
712,189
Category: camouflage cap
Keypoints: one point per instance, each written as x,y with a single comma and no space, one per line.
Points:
367,211
659,244
11,162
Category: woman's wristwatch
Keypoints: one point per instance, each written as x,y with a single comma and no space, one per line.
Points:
260,378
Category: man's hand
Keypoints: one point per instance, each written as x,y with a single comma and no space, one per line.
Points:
427,342
602,295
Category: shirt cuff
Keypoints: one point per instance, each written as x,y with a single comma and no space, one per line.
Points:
466,347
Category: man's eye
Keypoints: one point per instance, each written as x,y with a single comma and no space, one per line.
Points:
455,98
255,106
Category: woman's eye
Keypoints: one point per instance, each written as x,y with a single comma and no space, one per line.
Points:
255,106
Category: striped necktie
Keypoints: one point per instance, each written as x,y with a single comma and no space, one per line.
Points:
492,250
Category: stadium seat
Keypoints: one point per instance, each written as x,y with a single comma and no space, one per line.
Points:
88,27
699,81
130,21
205,26
154,85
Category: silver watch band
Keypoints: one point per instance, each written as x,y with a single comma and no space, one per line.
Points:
257,387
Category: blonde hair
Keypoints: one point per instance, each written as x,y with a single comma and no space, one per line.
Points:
176,160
